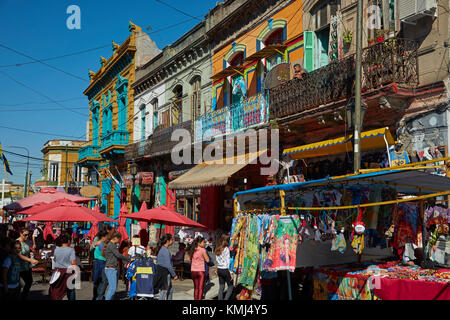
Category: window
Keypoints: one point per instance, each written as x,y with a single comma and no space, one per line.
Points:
196,98
177,105
54,172
77,173
154,104
143,124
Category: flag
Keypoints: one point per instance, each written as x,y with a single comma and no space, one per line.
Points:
5,161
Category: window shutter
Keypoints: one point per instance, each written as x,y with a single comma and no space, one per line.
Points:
310,39
199,103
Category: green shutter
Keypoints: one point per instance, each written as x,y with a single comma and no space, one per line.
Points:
309,40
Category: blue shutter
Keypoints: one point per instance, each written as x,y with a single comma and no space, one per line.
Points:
308,56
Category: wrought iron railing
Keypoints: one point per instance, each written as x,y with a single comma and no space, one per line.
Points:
233,118
390,61
88,152
115,138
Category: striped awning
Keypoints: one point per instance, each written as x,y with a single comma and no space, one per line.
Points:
369,140
214,173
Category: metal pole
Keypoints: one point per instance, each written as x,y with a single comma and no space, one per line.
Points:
357,121
28,164
3,193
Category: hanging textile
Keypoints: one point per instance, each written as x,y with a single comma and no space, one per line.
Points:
171,203
284,238
209,207
251,255
339,243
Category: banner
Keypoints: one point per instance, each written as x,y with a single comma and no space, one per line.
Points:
146,178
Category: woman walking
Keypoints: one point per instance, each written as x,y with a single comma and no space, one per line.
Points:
223,264
65,261
99,278
197,256
112,256
25,262
164,268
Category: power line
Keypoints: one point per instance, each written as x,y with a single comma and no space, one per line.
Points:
39,102
39,110
40,93
37,132
41,62
178,10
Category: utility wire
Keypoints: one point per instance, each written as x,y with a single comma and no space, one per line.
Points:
40,93
41,62
39,102
37,132
178,10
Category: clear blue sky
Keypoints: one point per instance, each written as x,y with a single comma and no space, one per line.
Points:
38,29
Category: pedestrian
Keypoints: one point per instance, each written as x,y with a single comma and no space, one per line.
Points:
222,253
112,256
65,265
10,275
136,249
38,239
164,268
99,278
197,256
25,263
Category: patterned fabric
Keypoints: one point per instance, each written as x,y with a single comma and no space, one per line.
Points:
339,243
358,243
283,250
251,256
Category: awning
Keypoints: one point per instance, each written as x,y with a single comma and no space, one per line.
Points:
228,72
369,140
213,173
266,52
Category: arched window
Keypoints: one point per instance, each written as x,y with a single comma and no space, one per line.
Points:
177,105
196,97
154,103
275,38
237,59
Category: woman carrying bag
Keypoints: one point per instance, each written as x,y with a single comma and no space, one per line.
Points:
197,256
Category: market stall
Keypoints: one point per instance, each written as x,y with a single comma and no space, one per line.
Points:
397,214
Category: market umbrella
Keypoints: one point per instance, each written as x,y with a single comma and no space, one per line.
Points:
94,228
165,216
45,195
122,220
143,224
69,212
42,206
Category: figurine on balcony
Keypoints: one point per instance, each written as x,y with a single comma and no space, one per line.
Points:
299,71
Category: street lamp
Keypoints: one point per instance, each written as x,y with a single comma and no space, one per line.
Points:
350,115
133,171
25,193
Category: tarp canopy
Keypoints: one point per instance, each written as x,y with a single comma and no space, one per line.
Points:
164,216
369,140
214,173
404,181
267,52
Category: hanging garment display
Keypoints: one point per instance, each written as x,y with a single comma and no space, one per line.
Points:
339,243
283,250
251,255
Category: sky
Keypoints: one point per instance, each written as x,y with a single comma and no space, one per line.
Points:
30,92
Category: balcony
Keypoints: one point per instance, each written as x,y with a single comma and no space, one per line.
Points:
251,112
89,154
387,62
114,143
158,144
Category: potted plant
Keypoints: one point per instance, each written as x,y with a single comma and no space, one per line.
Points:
371,41
379,34
347,36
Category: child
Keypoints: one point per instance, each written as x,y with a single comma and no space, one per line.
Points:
10,280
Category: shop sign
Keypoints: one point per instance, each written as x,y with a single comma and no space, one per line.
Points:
127,180
90,191
146,178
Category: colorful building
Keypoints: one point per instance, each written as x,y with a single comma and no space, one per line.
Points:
111,102
60,168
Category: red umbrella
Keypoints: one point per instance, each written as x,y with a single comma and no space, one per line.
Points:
122,220
48,231
94,228
165,216
69,212
143,224
46,195
42,206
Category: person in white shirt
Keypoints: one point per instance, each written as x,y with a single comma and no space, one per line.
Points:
136,249
222,253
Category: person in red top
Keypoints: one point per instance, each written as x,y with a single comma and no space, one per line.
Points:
197,256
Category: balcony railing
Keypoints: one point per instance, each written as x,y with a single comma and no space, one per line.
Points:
390,61
88,152
251,112
158,144
115,138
